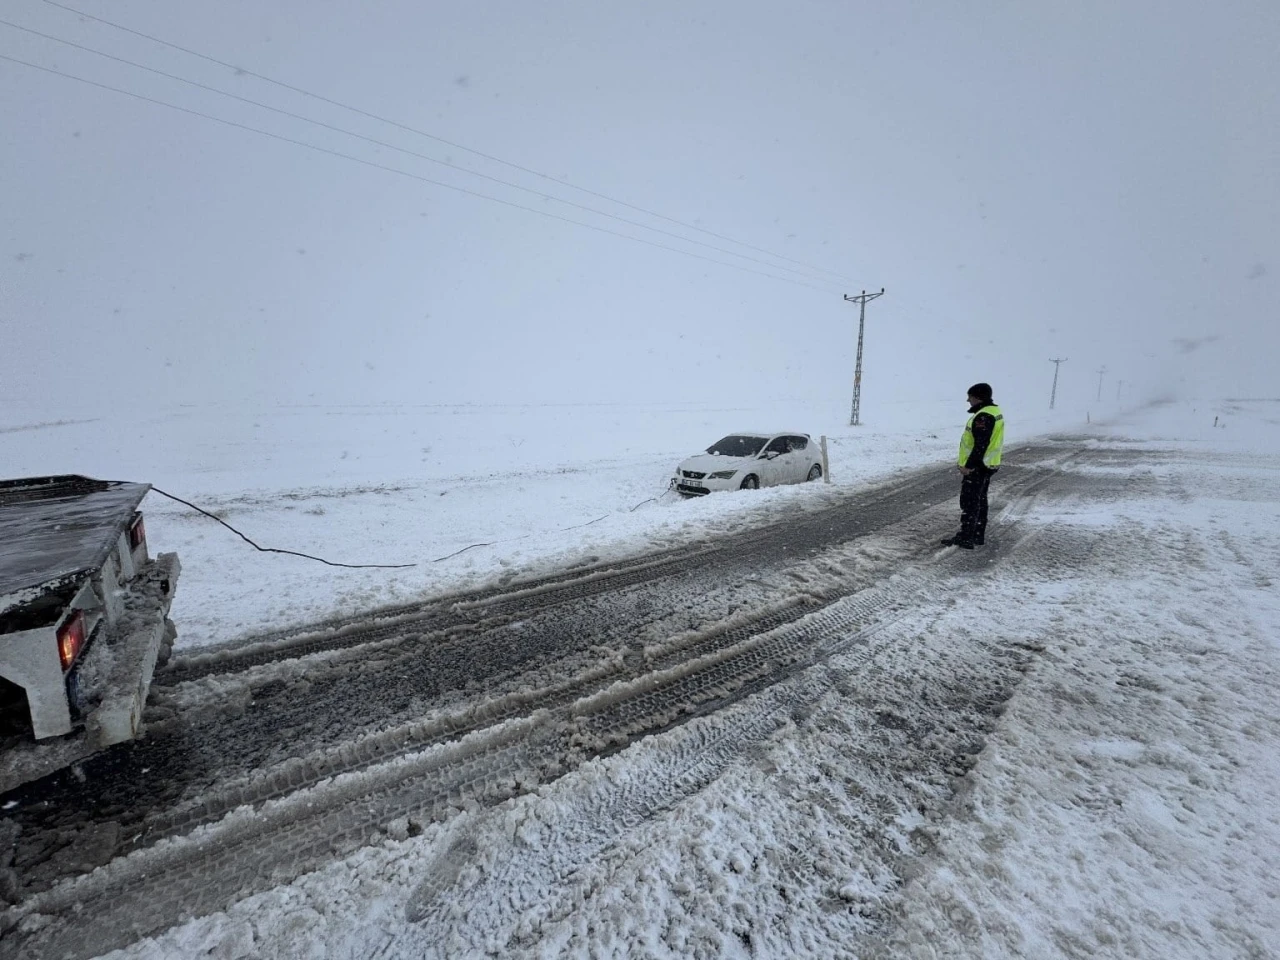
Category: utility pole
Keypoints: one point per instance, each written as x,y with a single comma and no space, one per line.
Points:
1118,388
1101,371
1053,394
861,300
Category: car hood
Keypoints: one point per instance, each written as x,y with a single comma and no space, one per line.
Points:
707,463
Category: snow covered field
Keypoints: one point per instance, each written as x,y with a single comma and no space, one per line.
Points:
1120,805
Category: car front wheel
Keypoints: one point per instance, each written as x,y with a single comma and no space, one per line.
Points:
815,472
750,483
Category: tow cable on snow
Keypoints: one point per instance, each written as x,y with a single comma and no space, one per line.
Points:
561,530
386,566
292,553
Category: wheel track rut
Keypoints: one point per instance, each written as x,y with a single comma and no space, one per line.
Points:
816,530
117,788
430,774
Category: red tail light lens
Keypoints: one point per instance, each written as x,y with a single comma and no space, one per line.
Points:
71,640
137,533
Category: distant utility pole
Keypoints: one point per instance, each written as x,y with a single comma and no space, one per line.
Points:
861,300
1101,371
1118,388
1053,394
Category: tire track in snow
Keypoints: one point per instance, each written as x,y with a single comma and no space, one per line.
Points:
822,528
124,812
506,874
222,863
431,618
596,820
658,711
196,875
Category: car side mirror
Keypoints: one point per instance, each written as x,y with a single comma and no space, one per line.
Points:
771,454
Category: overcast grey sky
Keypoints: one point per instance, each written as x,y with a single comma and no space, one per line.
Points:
1096,180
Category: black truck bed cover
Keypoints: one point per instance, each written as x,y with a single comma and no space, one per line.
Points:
55,528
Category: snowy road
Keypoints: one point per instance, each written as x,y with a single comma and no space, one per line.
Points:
280,752
276,757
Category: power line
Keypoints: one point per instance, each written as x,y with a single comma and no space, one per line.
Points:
405,173
438,139
412,153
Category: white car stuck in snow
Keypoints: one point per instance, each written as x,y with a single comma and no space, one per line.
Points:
745,461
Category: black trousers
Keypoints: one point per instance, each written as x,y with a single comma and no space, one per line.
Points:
973,505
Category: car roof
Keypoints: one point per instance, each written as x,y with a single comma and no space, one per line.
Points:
765,434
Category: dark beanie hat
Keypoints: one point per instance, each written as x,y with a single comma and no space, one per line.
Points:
981,390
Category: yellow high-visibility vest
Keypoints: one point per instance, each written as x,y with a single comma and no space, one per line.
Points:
990,459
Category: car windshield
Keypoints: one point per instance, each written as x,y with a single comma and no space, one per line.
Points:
737,445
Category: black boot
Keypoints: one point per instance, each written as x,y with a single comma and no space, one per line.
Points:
958,541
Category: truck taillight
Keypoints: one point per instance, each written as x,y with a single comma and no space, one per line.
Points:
71,639
137,533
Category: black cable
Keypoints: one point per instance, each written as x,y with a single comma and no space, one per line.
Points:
405,173
642,503
371,566
430,136
412,153
292,553
562,529
469,547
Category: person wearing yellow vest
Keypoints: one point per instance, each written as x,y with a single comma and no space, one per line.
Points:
981,445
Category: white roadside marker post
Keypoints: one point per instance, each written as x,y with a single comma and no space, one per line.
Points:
826,466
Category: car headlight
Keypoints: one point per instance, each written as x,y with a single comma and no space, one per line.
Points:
722,475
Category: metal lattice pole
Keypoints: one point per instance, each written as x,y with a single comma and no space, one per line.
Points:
855,413
1053,394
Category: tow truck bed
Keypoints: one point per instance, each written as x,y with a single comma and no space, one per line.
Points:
83,620
53,529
